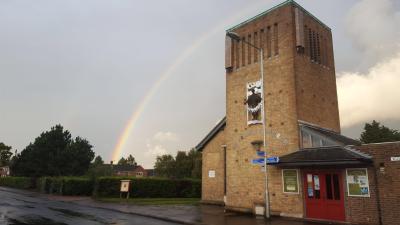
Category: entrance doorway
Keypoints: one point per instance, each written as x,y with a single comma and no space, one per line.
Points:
323,191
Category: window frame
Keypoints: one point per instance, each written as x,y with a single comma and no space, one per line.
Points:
297,180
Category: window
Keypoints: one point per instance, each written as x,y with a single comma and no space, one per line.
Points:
269,42
290,181
249,48
255,44
243,56
306,140
262,40
236,43
357,182
276,44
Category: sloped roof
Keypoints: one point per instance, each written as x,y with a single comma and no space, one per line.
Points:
332,155
220,126
330,133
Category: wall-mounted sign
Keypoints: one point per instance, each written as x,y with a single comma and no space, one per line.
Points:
357,182
290,181
273,160
259,161
396,158
261,153
211,173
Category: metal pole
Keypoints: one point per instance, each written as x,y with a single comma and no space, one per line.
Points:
267,210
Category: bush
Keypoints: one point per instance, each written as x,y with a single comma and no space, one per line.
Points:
149,187
18,182
65,185
77,186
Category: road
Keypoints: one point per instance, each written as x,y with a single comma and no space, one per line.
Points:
29,209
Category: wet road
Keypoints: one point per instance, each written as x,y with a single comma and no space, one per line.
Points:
30,209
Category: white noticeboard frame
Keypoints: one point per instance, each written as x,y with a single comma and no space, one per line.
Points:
125,186
361,179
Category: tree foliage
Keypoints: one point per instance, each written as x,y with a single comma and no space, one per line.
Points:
184,165
5,154
376,133
128,161
54,153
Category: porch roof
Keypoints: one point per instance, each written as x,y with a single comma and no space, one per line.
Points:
324,156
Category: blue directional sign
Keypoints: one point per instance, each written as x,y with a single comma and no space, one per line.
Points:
261,153
258,161
273,160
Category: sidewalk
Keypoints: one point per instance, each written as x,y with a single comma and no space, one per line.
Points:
182,214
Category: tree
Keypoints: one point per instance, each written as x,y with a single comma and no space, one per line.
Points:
5,154
184,165
98,161
376,133
165,166
54,153
131,160
122,161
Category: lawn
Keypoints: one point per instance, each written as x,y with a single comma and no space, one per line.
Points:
152,201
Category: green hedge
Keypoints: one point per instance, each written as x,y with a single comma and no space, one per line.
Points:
18,182
149,187
65,185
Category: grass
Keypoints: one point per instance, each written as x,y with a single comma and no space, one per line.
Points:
152,201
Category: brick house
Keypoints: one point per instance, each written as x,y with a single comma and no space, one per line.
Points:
320,174
4,171
129,170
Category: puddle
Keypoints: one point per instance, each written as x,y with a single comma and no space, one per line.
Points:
71,213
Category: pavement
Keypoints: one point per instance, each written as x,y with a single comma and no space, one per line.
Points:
20,206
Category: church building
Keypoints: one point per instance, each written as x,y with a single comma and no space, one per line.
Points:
313,172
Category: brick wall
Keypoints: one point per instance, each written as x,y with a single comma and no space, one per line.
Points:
213,159
388,187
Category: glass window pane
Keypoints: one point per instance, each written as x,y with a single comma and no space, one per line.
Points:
317,187
336,187
329,186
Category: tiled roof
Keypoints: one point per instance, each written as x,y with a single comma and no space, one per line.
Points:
332,155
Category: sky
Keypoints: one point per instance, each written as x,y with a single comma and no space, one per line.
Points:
155,69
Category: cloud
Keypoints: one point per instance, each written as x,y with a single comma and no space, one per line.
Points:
374,95
155,150
166,136
374,27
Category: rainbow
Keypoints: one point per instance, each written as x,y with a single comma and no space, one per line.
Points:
123,138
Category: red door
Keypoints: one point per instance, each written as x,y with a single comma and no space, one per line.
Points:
323,191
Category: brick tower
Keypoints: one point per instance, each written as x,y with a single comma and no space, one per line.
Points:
300,85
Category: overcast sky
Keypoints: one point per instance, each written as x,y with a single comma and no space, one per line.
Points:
88,65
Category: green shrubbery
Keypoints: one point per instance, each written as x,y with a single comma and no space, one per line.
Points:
149,187
108,186
65,185
18,182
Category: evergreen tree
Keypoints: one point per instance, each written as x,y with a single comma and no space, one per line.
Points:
376,133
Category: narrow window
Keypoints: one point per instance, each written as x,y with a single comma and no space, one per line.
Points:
237,45
269,42
318,49
326,52
276,44
328,179
314,46
306,48
255,44
243,55
310,44
336,186
249,51
262,40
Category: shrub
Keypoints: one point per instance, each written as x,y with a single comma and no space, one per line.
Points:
18,182
149,187
77,186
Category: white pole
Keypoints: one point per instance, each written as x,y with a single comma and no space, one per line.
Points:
267,211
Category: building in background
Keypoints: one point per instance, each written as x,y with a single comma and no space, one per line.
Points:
129,171
4,171
320,174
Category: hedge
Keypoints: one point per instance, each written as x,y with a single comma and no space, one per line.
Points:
18,182
149,187
65,185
